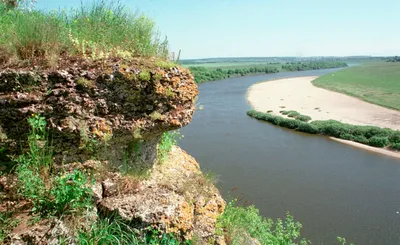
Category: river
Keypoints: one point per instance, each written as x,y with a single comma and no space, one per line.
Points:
331,188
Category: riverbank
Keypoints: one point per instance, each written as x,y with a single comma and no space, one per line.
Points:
300,95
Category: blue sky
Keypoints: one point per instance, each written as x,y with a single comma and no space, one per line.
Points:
259,28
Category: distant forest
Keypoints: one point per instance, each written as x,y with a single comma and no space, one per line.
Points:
202,74
394,59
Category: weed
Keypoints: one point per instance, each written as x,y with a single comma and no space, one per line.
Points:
71,193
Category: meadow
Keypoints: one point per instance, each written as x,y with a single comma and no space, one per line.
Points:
375,82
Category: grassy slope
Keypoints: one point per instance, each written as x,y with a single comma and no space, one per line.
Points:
377,82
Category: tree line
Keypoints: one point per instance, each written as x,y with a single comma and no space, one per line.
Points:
394,59
202,74
314,65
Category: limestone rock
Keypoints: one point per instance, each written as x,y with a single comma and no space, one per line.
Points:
176,198
88,103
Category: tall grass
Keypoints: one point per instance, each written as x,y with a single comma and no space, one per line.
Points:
101,30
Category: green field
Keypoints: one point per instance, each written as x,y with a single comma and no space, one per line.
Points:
377,82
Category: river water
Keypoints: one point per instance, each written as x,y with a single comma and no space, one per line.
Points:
331,188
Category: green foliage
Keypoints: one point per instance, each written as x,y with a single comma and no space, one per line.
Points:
168,140
101,30
303,118
165,64
202,74
394,146
343,241
145,76
296,115
378,141
369,135
107,231
66,193
71,193
314,65
238,223
375,82
7,223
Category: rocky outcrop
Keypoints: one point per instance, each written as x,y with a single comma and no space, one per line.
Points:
114,109
176,198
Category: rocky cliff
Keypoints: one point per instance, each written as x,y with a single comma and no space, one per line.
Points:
102,116
113,106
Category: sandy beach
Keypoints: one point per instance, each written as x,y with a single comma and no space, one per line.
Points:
301,95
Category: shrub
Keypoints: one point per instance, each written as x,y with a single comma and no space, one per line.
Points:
395,137
71,193
378,141
238,223
331,128
370,135
361,139
307,128
289,123
145,76
394,146
303,118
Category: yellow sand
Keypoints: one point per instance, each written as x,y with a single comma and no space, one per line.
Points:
301,95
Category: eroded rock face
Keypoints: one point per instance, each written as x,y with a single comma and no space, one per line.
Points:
176,198
124,106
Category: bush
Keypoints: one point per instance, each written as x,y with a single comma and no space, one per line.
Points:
361,139
289,123
307,128
71,193
395,137
369,135
378,141
238,223
303,118
394,146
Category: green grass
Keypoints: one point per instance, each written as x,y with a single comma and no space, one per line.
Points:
369,135
115,231
101,30
377,82
50,193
